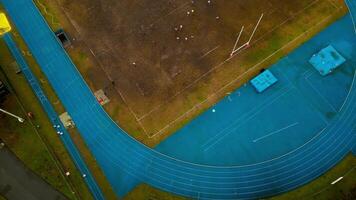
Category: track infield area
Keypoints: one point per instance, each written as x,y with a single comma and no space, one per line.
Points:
167,60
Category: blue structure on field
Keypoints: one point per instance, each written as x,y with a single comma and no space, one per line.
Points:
327,60
263,81
52,115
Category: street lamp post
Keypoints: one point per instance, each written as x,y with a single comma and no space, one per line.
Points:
13,115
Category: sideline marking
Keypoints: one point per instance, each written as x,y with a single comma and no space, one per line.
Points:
277,131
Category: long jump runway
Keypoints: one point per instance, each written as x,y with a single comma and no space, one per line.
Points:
122,158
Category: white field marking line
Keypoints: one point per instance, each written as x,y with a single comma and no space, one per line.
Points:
333,3
287,78
233,81
239,49
352,85
322,96
310,74
207,53
352,17
284,22
171,12
306,72
301,94
91,51
222,63
237,41
245,121
248,114
256,109
275,132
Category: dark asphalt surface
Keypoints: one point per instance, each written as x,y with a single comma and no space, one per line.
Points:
17,182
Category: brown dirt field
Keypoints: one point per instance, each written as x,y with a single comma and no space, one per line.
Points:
158,82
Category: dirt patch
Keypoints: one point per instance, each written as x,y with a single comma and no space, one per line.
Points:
160,58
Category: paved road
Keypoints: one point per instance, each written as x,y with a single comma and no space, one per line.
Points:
122,158
17,182
65,137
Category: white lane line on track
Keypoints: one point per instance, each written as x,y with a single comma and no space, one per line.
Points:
207,53
322,96
275,132
247,115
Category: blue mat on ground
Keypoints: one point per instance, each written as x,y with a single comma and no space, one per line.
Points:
327,60
120,156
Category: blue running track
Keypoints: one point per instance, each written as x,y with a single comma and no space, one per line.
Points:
66,139
122,158
351,4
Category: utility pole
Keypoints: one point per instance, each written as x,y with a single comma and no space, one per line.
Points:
13,115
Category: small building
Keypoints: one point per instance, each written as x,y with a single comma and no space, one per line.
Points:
263,81
327,60
101,97
63,38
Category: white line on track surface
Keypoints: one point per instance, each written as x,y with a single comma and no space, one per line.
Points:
275,132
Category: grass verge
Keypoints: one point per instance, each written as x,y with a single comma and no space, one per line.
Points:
27,141
25,145
321,188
